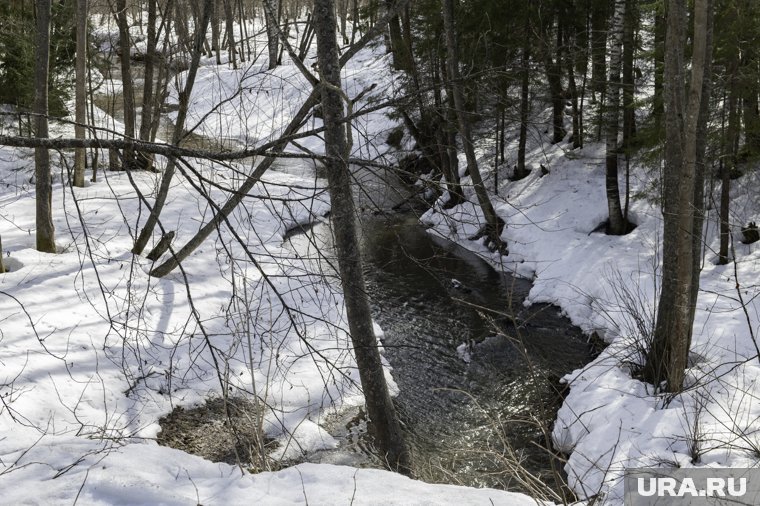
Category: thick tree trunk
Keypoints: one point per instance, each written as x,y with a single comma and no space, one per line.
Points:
685,126
385,425
80,91
272,37
616,224
494,225
45,234
402,57
749,89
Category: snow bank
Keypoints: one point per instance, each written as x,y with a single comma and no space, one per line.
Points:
608,285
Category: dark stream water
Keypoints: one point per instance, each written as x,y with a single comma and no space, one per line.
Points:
466,412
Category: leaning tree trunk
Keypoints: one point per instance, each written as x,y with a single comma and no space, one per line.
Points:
494,225
667,357
179,125
616,224
382,414
43,182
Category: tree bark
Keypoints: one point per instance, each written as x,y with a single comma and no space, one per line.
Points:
128,90
148,104
272,37
729,161
616,224
402,57
685,127
45,234
382,414
599,15
80,91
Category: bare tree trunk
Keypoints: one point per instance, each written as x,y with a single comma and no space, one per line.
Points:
382,414
629,86
616,224
184,98
128,157
402,57
43,183
658,106
230,31
295,124
521,171
215,35
685,127
599,15
272,35
2,266
80,91
146,120
728,161
553,69
494,225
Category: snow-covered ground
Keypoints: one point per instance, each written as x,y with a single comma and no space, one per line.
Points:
609,285
94,351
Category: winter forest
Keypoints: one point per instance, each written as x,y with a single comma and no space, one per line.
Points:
375,251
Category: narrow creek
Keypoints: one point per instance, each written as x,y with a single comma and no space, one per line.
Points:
478,372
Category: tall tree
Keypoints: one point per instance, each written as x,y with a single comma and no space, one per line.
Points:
382,414
616,224
494,225
43,181
683,187
81,91
128,87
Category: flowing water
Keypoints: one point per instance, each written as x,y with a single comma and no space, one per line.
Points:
478,372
